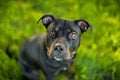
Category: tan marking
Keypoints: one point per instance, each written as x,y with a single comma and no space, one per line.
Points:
68,30
57,28
48,52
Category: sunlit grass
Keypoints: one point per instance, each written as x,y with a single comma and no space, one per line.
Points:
98,57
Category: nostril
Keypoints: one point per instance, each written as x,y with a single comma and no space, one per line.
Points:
58,48
61,49
55,48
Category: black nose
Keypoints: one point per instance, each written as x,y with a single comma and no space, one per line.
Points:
59,48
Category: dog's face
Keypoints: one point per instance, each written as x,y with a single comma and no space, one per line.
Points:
63,36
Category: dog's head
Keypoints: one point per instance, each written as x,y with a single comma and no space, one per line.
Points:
63,36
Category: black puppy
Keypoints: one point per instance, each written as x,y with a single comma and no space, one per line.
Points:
53,51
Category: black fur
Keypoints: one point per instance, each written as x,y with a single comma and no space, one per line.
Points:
52,51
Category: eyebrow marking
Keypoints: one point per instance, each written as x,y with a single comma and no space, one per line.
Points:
68,30
57,28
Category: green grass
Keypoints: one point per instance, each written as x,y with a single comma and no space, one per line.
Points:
98,57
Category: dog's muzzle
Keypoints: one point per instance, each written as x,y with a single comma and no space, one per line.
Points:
59,52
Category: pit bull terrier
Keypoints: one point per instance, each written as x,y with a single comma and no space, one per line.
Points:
53,51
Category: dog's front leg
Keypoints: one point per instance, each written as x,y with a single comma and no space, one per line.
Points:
50,77
29,73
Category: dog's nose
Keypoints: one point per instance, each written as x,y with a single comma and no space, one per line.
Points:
59,48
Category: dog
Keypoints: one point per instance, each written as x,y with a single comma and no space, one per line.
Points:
53,51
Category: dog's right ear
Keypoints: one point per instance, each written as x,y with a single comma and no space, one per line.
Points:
46,20
83,25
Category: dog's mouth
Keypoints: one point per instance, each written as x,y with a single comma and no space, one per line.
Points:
58,56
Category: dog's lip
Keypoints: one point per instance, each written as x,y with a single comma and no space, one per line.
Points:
57,59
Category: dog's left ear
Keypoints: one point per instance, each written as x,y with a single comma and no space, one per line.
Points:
83,25
46,20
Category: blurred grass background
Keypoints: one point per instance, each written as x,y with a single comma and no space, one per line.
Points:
98,57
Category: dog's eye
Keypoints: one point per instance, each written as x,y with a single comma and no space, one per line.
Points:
52,32
73,35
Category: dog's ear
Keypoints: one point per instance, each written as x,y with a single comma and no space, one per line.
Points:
83,25
46,20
